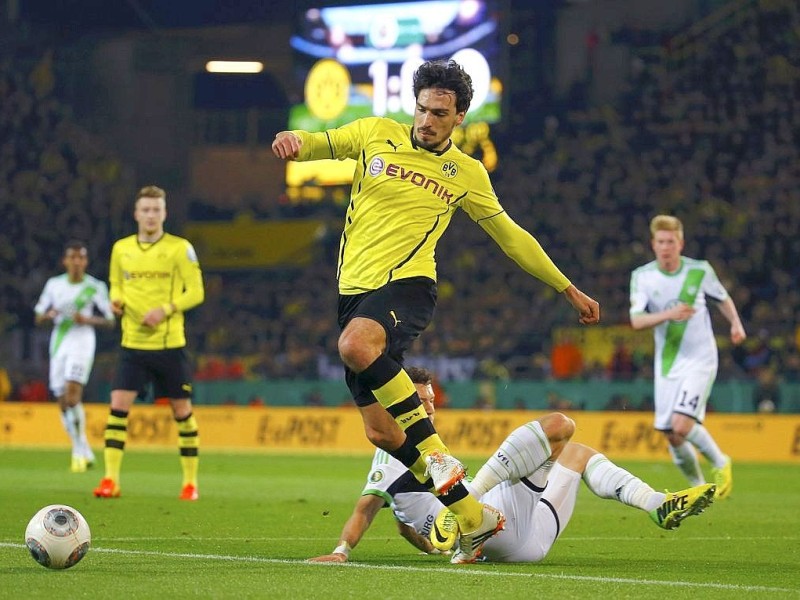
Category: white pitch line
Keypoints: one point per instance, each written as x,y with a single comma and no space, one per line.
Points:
248,538
459,571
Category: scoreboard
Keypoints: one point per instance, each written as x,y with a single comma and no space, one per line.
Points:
357,61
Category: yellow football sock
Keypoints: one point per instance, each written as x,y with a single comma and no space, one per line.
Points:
188,446
115,436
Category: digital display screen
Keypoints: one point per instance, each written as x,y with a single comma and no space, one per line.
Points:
359,61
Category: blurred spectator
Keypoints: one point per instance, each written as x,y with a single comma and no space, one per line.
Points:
767,393
555,401
487,396
440,398
620,402
212,369
313,398
758,354
33,390
5,385
566,358
256,400
621,365
790,364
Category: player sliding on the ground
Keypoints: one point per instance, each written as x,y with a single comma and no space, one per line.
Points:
533,478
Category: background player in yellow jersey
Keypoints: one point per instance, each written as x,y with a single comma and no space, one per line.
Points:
155,277
407,185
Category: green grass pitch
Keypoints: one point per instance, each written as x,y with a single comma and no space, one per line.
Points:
260,516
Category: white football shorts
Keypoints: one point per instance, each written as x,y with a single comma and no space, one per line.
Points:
687,395
534,520
66,367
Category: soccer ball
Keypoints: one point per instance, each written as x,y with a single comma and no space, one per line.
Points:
58,537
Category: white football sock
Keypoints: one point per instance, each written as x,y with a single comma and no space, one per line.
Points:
521,454
70,422
705,444
608,480
86,450
685,459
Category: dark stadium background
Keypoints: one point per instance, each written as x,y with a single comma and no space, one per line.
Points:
610,106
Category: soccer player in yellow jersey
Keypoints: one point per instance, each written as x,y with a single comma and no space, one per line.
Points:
155,277
408,183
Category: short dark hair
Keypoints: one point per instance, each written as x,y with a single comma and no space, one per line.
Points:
75,245
445,75
420,375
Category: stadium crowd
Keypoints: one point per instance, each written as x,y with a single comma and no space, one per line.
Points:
714,139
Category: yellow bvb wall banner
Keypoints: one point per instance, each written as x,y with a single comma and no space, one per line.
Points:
619,435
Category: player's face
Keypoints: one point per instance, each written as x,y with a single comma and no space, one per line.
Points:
667,246
435,118
75,262
150,214
425,392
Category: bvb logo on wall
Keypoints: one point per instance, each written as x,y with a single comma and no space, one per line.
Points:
327,89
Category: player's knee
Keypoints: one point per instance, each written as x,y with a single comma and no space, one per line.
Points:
356,351
347,348
557,426
181,409
72,399
362,341
681,426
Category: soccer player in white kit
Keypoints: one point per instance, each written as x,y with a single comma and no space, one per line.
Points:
670,295
533,478
69,302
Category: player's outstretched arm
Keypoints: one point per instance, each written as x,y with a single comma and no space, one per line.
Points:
363,514
420,542
525,250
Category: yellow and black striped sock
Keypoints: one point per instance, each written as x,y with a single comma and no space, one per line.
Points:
115,436
188,446
466,508
395,391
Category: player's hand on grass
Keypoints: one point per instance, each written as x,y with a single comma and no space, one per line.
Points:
337,557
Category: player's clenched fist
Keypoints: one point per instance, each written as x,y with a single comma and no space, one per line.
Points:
286,145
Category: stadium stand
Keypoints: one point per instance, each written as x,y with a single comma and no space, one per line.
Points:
710,131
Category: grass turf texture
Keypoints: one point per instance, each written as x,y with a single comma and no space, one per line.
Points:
260,516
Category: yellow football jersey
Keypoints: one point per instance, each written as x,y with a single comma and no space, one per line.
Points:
402,200
148,275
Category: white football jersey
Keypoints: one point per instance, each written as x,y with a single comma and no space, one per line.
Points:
680,346
68,299
410,501
531,526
